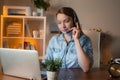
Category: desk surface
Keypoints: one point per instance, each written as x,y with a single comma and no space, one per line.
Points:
77,74
73,74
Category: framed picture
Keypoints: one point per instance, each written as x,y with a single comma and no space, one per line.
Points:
16,10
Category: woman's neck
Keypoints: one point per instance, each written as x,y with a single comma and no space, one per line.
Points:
67,38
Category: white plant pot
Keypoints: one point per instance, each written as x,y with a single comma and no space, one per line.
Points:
52,75
40,12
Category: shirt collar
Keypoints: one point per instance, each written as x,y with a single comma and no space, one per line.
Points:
61,38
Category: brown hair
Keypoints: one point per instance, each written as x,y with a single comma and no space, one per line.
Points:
71,13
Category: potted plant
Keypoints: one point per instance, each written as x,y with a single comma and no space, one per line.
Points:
52,68
42,4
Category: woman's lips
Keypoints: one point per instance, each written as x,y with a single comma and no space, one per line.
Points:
65,30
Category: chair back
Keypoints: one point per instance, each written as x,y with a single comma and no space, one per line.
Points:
95,38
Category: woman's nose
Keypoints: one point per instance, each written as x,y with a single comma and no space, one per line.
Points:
63,25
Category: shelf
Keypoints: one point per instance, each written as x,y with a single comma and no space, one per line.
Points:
13,37
17,32
32,38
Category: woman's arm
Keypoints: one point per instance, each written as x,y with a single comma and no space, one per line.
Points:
83,59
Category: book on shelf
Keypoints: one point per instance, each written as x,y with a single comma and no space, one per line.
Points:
28,46
5,44
14,28
27,29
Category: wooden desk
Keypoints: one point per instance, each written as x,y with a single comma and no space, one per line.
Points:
77,74
73,74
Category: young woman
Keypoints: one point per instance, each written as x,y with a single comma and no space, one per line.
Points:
71,45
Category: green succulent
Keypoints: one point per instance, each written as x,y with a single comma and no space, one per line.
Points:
52,65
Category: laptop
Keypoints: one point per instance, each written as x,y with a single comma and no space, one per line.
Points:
20,63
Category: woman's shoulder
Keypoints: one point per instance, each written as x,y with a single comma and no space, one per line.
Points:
56,37
85,40
85,37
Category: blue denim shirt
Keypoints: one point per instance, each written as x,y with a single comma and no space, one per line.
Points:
59,48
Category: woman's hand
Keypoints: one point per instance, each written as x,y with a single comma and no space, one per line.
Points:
75,32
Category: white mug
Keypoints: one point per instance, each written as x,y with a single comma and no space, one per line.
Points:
35,34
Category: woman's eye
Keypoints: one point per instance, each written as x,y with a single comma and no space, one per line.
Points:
64,21
67,20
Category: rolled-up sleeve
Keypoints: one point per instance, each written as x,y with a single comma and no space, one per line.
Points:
87,47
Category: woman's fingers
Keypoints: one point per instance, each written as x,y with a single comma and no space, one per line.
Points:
77,25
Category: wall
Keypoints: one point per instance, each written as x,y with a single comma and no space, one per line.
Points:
103,14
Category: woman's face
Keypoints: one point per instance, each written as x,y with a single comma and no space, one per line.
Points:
65,23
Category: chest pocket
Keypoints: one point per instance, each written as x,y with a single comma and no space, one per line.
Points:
57,52
72,53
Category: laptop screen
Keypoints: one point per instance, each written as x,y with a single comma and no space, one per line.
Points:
20,63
